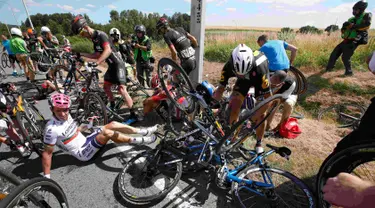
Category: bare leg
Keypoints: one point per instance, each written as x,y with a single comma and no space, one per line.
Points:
128,100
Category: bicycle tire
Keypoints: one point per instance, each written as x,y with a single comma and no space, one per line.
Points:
8,182
356,112
303,189
21,193
3,74
99,102
58,75
221,147
191,107
346,161
154,197
5,63
35,138
302,79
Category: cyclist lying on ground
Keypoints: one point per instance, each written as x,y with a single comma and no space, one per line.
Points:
63,131
251,69
8,135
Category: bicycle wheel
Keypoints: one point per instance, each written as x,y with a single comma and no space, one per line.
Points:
283,189
8,182
5,63
3,74
176,84
242,130
62,82
37,192
302,81
358,160
149,177
30,132
94,106
343,115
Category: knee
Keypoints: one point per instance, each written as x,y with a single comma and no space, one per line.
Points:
121,88
107,133
111,125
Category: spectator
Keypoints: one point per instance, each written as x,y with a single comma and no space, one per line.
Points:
142,55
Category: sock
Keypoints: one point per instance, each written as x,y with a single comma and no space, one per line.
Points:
147,131
143,140
259,143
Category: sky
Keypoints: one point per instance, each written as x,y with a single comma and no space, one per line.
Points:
249,13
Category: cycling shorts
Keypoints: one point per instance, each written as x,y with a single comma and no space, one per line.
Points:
12,58
189,64
116,73
242,86
91,146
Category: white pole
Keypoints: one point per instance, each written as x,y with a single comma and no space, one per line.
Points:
28,15
197,29
8,29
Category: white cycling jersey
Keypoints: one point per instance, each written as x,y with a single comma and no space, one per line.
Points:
66,136
3,128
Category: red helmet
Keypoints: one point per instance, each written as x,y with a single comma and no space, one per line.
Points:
155,81
78,23
290,129
162,23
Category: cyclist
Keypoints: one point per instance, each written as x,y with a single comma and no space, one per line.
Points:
123,47
47,39
143,55
66,41
33,45
12,57
251,69
105,51
275,51
64,132
180,44
19,47
355,33
9,135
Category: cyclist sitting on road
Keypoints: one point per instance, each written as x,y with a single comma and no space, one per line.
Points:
251,70
180,44
106,51
63,131
122,46
9,135
275,51
12,57
19,47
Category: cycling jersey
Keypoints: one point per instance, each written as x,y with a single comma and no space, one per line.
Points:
6,44
66,136
116,73
275,51
3,127
125,49
18,46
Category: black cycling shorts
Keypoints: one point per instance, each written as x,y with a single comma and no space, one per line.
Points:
116,74
12,58
188,65
242,86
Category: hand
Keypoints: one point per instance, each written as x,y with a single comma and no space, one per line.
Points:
136,45
345,190
350,25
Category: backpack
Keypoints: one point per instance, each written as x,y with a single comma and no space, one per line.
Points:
290,129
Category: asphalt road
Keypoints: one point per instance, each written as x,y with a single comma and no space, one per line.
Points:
94,184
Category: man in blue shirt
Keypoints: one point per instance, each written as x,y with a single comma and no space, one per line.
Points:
275,51
12,57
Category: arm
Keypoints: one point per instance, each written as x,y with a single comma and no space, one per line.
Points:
293,55
40,39
192,39
107,51
226,73
173,52
365,23
47,159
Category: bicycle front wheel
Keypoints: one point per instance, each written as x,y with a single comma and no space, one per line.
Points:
37,192
150,176
5,63
8,182
358,160
271,187
301,80
31,132
343,115
94,106
176,85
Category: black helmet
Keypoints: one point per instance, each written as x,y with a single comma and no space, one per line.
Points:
78,23
162,23
361,5
140,28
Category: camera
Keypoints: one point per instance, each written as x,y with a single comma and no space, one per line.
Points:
134,40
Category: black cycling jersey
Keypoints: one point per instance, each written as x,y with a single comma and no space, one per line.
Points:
116,73
48,43
125,50
33,44
178,38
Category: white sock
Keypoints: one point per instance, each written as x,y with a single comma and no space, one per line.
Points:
143,140
147,131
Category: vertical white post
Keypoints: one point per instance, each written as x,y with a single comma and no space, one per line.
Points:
28,15
6,25
197,29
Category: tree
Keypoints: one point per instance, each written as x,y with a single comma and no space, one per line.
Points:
310,29
114,15
332,28
286,30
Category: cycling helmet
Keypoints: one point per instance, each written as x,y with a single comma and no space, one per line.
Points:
155,81
44,30
3,102
162,23
115,33
361,5
140,28
78,23
31,31
60,100
16,31
243,59
207,90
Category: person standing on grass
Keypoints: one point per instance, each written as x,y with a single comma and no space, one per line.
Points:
355,33
142,55
275,51
11,55
19,47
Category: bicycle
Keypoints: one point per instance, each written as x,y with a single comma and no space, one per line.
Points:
3,74
358,159
5,62
8,182
300,79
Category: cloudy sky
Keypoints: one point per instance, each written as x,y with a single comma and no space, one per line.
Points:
260,13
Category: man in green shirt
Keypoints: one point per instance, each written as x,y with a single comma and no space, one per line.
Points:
19,47
142,55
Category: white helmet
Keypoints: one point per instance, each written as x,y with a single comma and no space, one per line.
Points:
44,29
115,31
16,31
243,59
